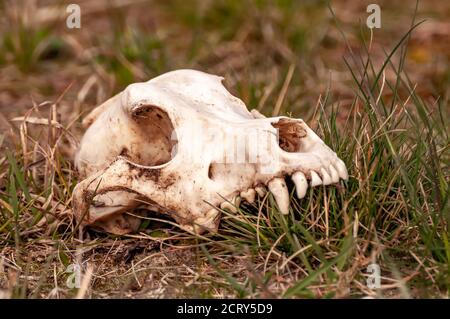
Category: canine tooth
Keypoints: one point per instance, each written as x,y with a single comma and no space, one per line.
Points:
326,178
342,169
315,179
334,174
278,188
249,195
261,191
231,205
211,214
301,185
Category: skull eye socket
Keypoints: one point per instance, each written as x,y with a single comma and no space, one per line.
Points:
156,129
290,134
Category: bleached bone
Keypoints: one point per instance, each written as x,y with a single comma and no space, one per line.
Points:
182,145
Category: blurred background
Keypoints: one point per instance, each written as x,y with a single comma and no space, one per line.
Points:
256,45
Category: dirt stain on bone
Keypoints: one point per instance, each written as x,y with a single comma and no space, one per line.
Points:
156,175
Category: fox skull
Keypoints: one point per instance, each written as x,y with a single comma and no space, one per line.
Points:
182,145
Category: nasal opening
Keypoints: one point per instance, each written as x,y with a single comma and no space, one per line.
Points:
290,134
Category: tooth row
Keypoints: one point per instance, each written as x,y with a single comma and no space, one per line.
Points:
278,188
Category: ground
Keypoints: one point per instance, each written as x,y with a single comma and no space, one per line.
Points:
379,98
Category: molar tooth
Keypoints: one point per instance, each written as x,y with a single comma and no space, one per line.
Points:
231,205
249,195
278,188
315,179
207,220
261,191
342,169
228,206
326,178
301,185
334,174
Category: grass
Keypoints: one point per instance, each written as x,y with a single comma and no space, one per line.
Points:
386,120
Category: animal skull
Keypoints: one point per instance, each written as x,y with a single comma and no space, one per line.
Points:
182,145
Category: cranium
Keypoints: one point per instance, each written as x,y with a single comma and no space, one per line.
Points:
182,145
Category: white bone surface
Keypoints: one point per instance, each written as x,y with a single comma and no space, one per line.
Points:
182,145
301,184
280,191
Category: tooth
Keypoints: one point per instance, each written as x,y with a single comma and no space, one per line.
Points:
231,205
261,191
334,174
342,169
278,188
249,195
207,220
301,185
326,178
228,206
211,214
315,179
